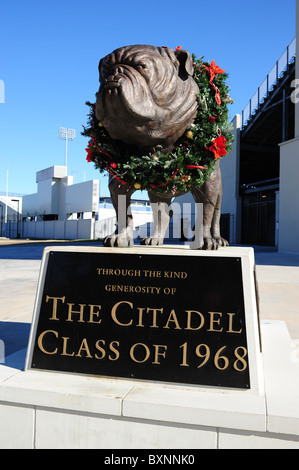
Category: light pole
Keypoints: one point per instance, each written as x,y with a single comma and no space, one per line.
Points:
66,134
18,214
6,200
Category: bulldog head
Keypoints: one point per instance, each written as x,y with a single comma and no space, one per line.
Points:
147,95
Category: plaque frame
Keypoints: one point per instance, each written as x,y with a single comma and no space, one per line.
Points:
250,296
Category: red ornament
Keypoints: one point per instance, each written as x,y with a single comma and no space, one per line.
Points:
113,165
89,154
214,69
218,147
212,119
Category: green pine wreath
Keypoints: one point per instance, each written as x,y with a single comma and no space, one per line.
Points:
195,154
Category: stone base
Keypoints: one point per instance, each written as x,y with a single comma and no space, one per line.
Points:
42,409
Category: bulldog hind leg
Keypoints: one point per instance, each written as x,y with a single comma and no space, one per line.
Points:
210,195
121,199
215,228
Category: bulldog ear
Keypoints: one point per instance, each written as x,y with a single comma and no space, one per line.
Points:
100,69
186,63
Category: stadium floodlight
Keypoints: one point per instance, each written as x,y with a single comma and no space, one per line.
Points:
66,134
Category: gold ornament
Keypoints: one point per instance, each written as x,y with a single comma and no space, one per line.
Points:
100,124
189,135
185,178
137,185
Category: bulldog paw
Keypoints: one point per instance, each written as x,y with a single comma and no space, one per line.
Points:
221,241
118,241
154,241
207,243
210,244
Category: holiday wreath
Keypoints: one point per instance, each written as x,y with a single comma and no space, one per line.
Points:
193,158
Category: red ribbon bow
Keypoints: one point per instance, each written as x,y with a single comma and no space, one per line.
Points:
214,70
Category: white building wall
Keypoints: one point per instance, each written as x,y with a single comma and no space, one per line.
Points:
46,198
57,195
29,205
82,197
10,208
45,201
288,238
51,172
62,209
231,201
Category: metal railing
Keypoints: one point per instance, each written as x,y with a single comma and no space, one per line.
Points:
269,83
104,227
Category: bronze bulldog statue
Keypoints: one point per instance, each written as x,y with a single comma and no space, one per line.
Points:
148,98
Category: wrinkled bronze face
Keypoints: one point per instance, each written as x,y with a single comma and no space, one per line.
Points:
147,95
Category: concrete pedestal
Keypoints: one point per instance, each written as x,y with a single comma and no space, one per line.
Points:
47,409
40,409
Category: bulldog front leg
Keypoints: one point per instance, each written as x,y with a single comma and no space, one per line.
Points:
121,199
162,213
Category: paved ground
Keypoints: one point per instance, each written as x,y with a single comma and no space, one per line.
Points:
278,284
277,274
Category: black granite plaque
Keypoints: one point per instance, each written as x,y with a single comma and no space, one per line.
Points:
170,318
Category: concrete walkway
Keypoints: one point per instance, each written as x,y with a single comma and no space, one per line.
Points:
278,285
277,274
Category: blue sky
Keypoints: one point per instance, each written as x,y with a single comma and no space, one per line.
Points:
49,54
